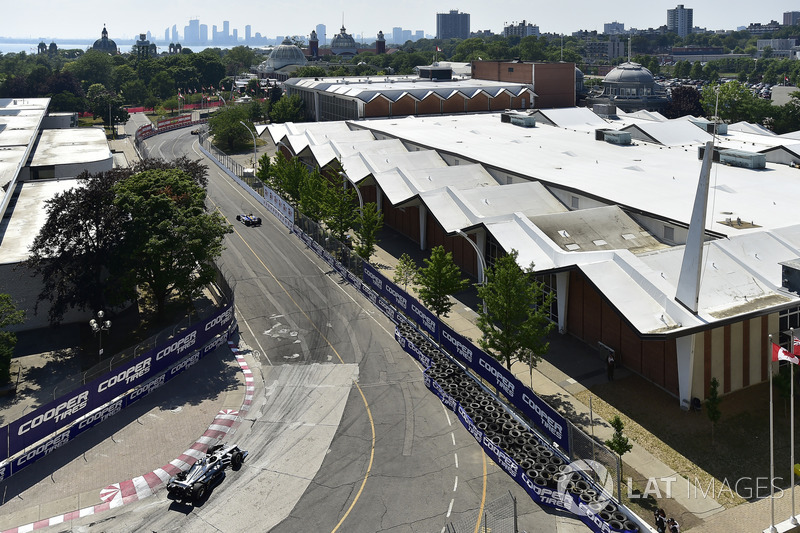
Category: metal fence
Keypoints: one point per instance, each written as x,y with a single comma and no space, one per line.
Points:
201,309
221,156
499,516
605,466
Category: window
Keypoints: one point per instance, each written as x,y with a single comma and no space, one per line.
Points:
787,319
511,69
455,163
669,233
575,202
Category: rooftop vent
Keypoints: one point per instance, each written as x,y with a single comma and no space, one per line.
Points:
613,136
526,121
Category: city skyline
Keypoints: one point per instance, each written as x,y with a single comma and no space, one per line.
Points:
65,22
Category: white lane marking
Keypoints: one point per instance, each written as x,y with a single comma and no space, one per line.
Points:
454,438
263,351
450,508
456,455
455,486
449,422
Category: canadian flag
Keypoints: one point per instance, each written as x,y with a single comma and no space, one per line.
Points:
438,49
796,346
781,354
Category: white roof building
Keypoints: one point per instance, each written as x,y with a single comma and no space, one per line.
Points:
607,223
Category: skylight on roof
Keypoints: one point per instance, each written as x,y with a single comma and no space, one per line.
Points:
572,247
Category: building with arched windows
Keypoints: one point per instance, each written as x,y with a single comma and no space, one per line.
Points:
631,87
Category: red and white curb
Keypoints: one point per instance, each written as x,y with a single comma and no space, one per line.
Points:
118,494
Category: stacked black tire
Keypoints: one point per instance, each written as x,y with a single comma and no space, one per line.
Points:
540,463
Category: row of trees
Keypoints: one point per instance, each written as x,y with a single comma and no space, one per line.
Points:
128,231
326,201
514,319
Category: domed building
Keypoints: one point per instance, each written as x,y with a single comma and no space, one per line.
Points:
343,44
631,87
285,55
104,44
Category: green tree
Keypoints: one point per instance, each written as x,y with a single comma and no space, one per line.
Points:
170,239
9,316
288,176
736,103
684,101
163,85
310,72
225,126
339,213
368,224
238,59
106,104
134,92
74,252
712,405
514,321
313,189
438,280
618,443
287,109
405,273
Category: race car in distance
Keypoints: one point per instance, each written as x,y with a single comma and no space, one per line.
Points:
249,220
206,473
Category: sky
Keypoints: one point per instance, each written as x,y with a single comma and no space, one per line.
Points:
84,19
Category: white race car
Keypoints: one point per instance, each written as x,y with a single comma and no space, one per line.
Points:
193,485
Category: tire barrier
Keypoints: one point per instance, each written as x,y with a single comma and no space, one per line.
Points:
535,465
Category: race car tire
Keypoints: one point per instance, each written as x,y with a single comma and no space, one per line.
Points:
237,460
258,221
198,491
238,217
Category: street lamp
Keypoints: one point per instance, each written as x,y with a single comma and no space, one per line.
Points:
98,327
255,161
345,181
481,269
481,260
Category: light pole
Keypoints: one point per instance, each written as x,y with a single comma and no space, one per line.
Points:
481,260
481,270
98,327
345,181
255,161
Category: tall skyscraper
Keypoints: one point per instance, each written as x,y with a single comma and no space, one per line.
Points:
235,36
175,38
166,35
679,20
226,32
191,33
397,36
323,40
419,34
203,33
791,18
247,34
452,25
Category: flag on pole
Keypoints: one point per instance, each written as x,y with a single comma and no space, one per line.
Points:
438,49
796,345
781,354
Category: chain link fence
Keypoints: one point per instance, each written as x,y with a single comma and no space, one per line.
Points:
585,448
499,516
